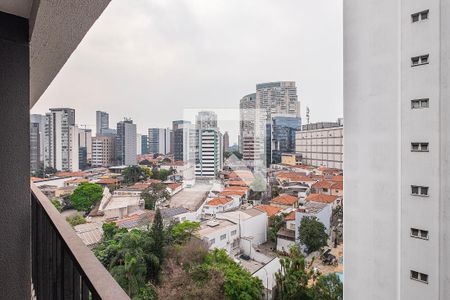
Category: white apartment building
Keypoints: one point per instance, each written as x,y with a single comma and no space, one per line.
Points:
103,151
210,153
321,144
85,140
396,91
61,140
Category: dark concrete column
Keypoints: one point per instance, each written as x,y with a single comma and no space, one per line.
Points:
15,282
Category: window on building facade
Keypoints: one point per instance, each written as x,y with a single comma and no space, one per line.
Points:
419,147
223,236
419,233
419,190
419,60
212,241
233,232
423,15
419,103
419,276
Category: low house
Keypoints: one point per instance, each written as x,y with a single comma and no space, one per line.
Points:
117,206
328,187
269,210
219,233
64,191
174,188
329,199
90,233
141,219
75,181
239,196
109,182
176,214
253,224
219,205
285,201
321,210
286,235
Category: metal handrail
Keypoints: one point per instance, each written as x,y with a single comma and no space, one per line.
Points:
62,266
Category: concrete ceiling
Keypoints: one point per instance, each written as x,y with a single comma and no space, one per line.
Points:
21,8
56,30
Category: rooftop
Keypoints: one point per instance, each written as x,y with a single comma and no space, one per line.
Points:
268,209
173,211
206,229
218,201
191,198
321,198
285,200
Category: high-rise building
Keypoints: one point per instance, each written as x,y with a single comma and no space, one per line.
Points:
102,121
397,143
282,140
226,141
206,119
208,146
210,155
278,98
139,144
126,153
40,119
35,153
178,139
159,140
85,143
321,144
252,141
61,140
144,144
103,150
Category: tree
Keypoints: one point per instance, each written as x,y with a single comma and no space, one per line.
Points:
131,274
157,235
85,196
155,192
181,232
166,160
239,283
133,174
292,279
276,221
146,162
76,219
327,287
57,204
161,174
312,234
50,170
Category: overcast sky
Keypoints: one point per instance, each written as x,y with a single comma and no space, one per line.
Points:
151,59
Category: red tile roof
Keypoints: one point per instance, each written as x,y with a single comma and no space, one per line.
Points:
293,176
232,193
321,198
108,181
173,186
323,184
71,174
268,209
218,201
239,183
338,186
290,216
285,200
76,180
236,188
338,178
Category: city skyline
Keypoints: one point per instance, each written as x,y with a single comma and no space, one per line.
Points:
164,75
